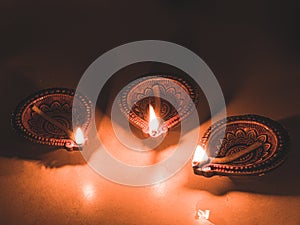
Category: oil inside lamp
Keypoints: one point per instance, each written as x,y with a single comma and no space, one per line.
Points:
156,126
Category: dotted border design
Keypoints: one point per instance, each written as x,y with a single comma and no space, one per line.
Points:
193,90
17,123
259,169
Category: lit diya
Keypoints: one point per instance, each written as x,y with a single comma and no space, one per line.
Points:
46,118
252,145
156,103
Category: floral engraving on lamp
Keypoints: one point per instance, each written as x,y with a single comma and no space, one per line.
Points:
172,98
240,139
46,117
253,145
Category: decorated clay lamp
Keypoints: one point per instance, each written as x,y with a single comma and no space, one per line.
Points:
46,118
144,102
252,145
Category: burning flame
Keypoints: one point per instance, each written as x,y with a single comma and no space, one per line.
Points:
79,137
153,121
199,156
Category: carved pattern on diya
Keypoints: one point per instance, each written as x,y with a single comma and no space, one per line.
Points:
57,104
240,133
143,91
242,138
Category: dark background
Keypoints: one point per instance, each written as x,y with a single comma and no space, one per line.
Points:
252,47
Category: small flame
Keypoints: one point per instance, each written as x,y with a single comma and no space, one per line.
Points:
199,156
153,121
79,137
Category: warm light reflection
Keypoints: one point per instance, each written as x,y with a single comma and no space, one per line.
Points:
79,137
88,191
203,214
160,189
199,156
153,122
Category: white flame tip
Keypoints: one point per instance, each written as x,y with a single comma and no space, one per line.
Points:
79,137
